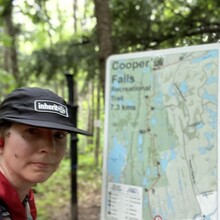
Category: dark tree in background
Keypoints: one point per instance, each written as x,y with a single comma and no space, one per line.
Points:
10,63
103,30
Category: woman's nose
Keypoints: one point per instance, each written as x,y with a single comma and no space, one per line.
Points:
48,144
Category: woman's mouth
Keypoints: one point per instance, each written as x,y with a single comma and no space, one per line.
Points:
41,165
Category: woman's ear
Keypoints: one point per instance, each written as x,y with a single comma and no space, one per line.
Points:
2,142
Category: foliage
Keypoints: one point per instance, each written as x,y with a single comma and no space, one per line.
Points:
48,45
55,193
143,25
7,83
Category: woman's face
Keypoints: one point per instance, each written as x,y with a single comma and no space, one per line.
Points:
30,154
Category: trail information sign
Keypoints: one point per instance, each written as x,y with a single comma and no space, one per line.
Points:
161,135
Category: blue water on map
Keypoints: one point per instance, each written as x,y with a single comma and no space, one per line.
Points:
209,136
183,87
167,157
116,160
153,121
213,117
171,90
211,79
210,139
140,147
158,100
209,66
145,182
170,202
207,96
173,153
164,162
151,172
210,54
199,126
203,150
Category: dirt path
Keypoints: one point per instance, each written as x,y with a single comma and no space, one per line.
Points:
88,209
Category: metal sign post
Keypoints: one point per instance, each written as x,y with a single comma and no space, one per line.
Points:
73,149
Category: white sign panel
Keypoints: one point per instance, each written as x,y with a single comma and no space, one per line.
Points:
124,202
161,135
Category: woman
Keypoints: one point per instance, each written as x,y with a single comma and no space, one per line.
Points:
34,124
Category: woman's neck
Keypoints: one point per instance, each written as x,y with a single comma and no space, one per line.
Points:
21,188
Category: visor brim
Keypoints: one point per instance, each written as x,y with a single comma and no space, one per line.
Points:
50,125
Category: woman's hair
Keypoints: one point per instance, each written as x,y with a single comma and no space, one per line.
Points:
4,126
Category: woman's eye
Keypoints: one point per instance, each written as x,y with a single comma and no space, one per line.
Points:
33,131
60,135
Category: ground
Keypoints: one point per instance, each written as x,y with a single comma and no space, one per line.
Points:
53,197
88,209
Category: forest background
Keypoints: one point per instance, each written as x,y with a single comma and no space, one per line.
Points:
42,40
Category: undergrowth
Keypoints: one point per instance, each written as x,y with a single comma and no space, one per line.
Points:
55,194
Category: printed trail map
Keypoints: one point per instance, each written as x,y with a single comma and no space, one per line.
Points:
161,136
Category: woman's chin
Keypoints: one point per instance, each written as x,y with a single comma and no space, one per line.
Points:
39,178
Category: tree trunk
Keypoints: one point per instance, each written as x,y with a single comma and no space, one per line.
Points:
75,9
103,18
10,53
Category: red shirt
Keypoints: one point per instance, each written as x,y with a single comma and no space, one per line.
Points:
13,204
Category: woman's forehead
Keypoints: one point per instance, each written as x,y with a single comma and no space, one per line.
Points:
24,127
